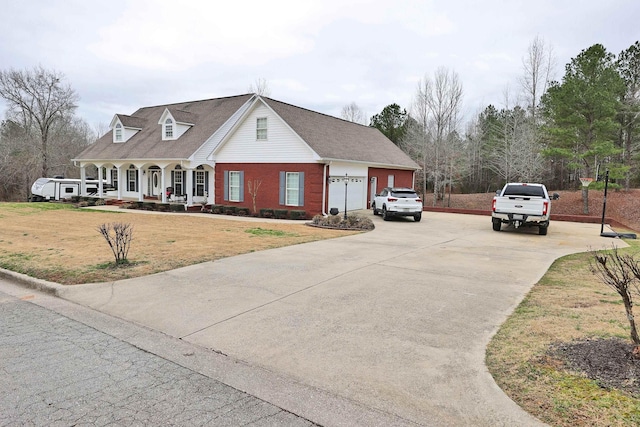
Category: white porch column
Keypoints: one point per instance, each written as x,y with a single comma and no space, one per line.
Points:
83,181
120,183
189,187
163,185
100,178
140,184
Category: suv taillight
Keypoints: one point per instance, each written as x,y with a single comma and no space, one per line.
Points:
392,199
419,200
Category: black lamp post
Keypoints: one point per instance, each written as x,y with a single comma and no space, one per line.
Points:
346,182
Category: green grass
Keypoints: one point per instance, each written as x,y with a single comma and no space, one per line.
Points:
257,231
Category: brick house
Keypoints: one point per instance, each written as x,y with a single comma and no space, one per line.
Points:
219,150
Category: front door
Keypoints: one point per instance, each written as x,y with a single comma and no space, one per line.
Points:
154,185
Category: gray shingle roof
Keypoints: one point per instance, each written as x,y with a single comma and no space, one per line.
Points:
183,116
333,138
330,137
148,143
131,121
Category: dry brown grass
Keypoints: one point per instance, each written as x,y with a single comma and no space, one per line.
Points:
59,243
568,304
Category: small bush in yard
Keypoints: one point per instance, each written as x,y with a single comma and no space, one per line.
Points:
242,211
118,235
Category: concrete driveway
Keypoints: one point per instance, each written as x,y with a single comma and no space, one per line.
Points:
395,320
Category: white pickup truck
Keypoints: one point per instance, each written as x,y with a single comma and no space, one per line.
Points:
522,205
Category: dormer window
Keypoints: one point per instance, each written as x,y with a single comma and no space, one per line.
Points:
261,128
118,136
168,128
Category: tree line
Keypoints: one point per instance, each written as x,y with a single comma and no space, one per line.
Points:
551,131
40,133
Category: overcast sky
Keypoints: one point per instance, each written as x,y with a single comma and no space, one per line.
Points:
120,55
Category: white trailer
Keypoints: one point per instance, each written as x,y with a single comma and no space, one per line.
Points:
45,189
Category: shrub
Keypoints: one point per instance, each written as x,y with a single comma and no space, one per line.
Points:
266,213
217,209
298,214
148,206
163,207
75,199
229,210
280,213
177,207
118,235
353,222
243,211
100,202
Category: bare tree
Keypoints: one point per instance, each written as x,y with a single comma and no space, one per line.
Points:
620,272
538,65
416,141
444,102
100,129
353,113
118,235
38,101
260,87
253,186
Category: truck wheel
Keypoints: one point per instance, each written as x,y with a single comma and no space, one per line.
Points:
385,214
542,230
497,224
373,206
417,217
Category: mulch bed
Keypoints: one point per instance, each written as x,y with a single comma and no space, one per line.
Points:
609,362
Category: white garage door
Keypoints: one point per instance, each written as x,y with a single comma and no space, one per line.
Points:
356,191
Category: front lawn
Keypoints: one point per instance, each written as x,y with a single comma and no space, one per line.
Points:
60,243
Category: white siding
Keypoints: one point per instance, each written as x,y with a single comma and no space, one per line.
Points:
202,154
282,144
180,129
128,133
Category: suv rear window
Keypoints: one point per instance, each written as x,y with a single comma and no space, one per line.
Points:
404,194
524,190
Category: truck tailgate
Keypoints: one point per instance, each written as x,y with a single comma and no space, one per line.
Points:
520,205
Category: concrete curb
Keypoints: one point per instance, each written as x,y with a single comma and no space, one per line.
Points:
45,286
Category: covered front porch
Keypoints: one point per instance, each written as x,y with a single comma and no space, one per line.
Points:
165,182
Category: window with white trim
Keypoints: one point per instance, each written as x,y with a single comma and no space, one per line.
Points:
292,190
168,128
118,133
261,128
234,186
177,182
114,177
132,180
200,182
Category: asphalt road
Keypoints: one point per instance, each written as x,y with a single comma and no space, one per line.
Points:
56,371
